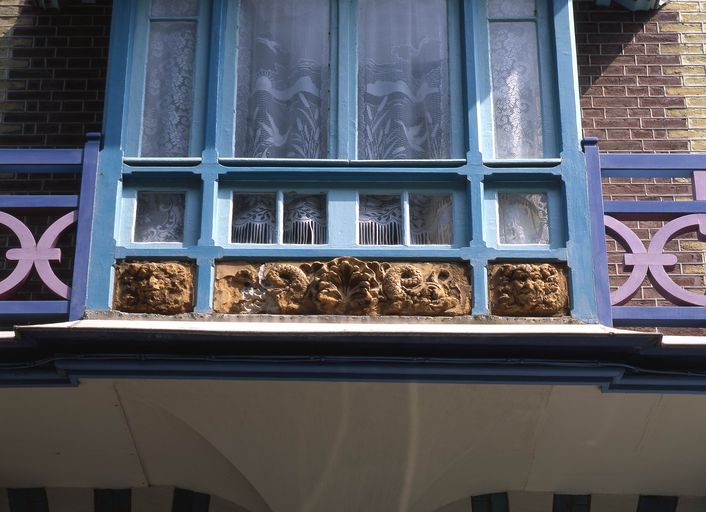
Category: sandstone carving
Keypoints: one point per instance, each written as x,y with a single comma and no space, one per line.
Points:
165,288
528,289
343,286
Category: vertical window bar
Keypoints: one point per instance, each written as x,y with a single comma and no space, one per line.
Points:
279,218
112,500
406,220
657,504
572,503
27,500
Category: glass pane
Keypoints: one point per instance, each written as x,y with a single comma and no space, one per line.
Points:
169,85
159,217
510,8
173,8
523,218
254,219
431,218
517,107
283,85
380,220
304,219
403,80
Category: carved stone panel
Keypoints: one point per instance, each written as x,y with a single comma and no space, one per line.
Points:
164,288
524,289
343,286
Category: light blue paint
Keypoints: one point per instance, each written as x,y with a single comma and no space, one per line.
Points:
212,179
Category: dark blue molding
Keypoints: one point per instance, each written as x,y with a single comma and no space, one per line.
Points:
572,503
190,501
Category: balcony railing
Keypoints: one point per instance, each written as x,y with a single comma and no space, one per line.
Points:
36,253
649,259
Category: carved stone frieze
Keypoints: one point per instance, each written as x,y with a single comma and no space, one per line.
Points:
528,289
164,288
343,286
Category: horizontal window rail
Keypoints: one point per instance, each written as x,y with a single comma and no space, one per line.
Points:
651,259
27,253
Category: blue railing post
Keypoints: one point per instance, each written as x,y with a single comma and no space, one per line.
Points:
85,223
600,254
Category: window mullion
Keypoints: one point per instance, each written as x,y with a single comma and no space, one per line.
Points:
347,79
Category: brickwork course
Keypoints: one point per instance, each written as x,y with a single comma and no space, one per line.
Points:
642,79
643,90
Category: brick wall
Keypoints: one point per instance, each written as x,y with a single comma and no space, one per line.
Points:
52,72
643,89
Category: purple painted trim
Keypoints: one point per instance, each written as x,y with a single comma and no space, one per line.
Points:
663,162
85,225
654,207
659,316
13,309
699,183
595,204
35,254
42,158
38,201
653,259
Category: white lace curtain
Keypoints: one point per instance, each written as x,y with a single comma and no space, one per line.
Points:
403,85
283,79
169,82
515,79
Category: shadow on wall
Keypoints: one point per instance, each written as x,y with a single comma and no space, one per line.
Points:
630,70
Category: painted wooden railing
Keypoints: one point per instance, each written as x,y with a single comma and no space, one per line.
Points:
39,253
651,261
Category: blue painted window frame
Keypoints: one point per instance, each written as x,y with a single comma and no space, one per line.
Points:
547,75
343,111
556,214
128,212
342,212
138,71
210,173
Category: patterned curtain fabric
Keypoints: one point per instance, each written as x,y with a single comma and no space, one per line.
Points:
283,79
403,85
169,83
524,218
515,80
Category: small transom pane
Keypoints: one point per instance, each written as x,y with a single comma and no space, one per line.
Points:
380,220
254,218
174,8
431,219
160,217
511,8
304,218
523,218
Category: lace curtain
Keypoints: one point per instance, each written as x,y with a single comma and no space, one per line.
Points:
515,80
159,217
523,218
282,97
403,85
169,83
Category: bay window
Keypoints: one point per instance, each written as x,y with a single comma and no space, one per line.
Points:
260,130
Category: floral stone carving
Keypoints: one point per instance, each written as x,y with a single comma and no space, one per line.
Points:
528,289
343,286
165,288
